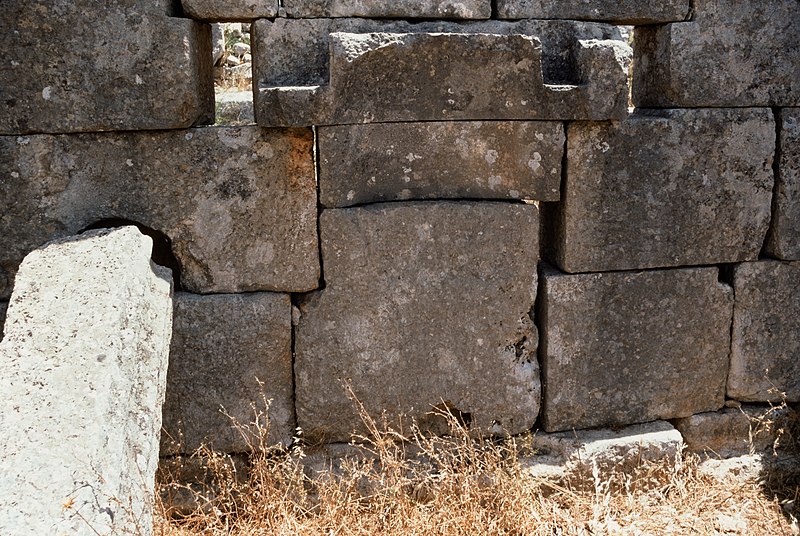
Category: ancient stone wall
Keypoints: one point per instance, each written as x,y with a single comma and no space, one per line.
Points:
516,211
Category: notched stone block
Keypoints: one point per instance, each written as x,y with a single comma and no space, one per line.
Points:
401,9
102,65
766,332
223,10
626,347
618,11
666,188
426,308
732,53
399,161
84,362
333,71
238,204
784,237
229,385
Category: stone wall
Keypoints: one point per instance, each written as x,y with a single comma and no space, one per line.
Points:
461,213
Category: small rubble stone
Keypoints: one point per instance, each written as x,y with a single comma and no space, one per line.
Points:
222,10
64,72
698,192
578,455
626,347
84,362
399,161
733,431
732,53
766,332
427,306
784,237
401,9
238,204
332,71
230,373
235,108
618,11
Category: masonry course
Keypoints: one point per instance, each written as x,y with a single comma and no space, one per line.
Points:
238,204
618,11
438,160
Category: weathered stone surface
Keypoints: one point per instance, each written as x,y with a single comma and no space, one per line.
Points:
732,53
766,332
84,363
239,204
221,10
403,9
733,431
626,347
235,108
64,73
426,305
578,454
698,191
784,236
398,161
332,71
619,11
231,351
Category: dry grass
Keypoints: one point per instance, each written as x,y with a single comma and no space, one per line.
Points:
412,484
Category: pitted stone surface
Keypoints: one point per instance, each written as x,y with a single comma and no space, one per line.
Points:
426,305
627,347
399,161
766,332
239,204
732,431
784,237
666,188
64,72
732,53
619,11
332,71
401,9
220,10
84,362
231,351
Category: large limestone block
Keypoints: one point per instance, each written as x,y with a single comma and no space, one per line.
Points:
84,363
333,71
89,65
732,53
784,236
765,354
619,11
666,188
230,373
427,305
398,161
220,10
626,347
238,204
402,9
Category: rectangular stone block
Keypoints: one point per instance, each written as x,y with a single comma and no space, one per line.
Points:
230,373
628,347
401,9
63,72
766,332
399,161
84,362
618,11
666,188
238,204
332,71
427,306
224,10
732,53
784,236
